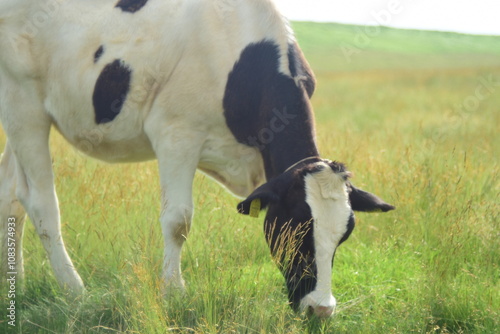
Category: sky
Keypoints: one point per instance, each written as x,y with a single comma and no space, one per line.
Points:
465,16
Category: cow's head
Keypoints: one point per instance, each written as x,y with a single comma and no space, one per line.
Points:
310,213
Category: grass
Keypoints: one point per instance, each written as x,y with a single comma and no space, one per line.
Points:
404,114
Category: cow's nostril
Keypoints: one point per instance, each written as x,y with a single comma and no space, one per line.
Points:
323,311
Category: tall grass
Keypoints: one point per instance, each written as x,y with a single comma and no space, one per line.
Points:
431,266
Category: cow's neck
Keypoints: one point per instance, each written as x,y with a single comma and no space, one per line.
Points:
291,142
278,161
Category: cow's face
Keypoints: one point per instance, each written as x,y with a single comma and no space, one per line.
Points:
309,215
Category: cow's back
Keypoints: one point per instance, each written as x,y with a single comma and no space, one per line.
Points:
174,55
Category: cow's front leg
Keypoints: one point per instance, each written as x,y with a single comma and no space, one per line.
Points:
176,222
177,149
176,215
177,170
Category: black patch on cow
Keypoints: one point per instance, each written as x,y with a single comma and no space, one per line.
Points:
266,109
98,54
245,89
350,227
111,91
131,6
299,67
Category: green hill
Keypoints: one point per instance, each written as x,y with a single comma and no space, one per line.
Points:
338,47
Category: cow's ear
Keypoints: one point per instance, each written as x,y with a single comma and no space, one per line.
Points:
270,192
366,202
259,200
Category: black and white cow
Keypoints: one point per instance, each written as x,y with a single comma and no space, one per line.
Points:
216,85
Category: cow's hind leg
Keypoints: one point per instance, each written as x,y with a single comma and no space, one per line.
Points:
12,217
36,192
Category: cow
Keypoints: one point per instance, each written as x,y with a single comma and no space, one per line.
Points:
219,86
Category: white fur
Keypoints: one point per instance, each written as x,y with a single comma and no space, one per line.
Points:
180,53
326,195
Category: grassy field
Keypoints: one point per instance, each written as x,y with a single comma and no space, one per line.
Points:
415,115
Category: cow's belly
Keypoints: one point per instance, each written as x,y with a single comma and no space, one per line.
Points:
98,142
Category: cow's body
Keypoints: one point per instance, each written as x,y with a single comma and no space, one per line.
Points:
216,85
174,49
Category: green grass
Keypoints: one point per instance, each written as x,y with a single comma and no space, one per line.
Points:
395,114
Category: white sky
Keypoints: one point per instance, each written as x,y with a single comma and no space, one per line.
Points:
467,16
